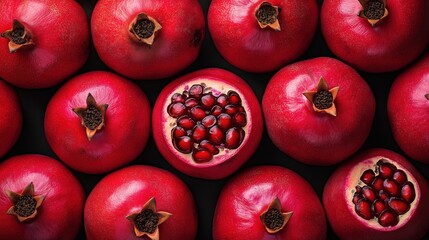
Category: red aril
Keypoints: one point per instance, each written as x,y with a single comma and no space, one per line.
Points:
149,39
97,121
140,201
262,36
397,210
268,202
42,42
323,110
408,110
39,199
207,123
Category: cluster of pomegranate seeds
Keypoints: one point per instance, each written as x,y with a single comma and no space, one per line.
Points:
206,122
385,195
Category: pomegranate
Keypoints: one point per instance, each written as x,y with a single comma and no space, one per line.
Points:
140,201
207,123
377,194
376,35
42,42
97,121
269,202
148,39
262,35
324,110
408,110
10,118
39,199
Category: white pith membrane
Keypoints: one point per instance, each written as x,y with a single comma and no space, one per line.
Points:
217,88
353,179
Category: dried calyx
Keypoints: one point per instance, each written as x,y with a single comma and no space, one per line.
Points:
24,204
92,116
267,16
273,218
19,36
373,10
323,98
143,28
146,221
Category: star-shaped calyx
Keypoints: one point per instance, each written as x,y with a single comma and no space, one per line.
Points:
143,28
323,98
273,218
92,116
146,221
267,16
24,204
373,10
19,36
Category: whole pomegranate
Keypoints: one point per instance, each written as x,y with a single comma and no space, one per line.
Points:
147,39
377,194
140,201
39,199
269,202
97,121
323,113
262,35
10,118
42,42
376,35
207,123
408,110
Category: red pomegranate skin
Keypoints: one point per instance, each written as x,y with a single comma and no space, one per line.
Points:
408,110
246,196
126,129
175,46
391,44
220,166
60,32
125,191
317,138
239,39
10,119
345,224
59,216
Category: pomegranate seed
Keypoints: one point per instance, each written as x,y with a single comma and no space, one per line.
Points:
358,189
234,98
363,209
224,121
222,100
407,192
398,205
196,91
382,195
191,102
208,101
176,109
377,184
231,110
207,145
367,176
199,133
378,207
388,218
185,122
177,132
209,121
239,119
240,108
184,144
197,113
356,197
177,97
234,137
391,187
201,155
368,193
216,135
400,177
385,169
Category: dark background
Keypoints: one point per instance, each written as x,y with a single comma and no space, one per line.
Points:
32,139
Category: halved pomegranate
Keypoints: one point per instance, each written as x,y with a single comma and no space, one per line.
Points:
207,123
377,194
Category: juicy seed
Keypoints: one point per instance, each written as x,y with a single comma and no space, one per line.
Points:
385,169
196,91
234,137
377,184
216,110
176,110
398,205
400,177
367,176
224,121
185,122
184,144
197,113
356,197
216,135
178,97
234,98
201,155
230,109
207,145
391,188
191,102
177,132
368,193
388,218
363,209
222,100
407,192
209,121
378,207
199,133
208,101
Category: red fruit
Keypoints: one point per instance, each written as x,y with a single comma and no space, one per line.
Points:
388,216
42,42
376,35
268,202
324,110
98,121
408,110
262,36
122,202
10,118
147,39
39,199
227,141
